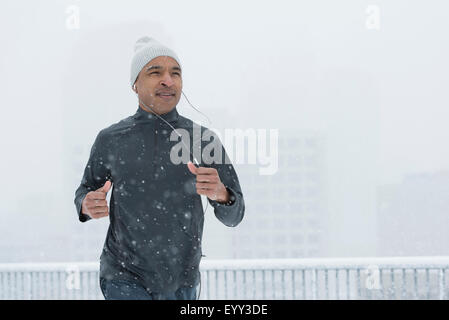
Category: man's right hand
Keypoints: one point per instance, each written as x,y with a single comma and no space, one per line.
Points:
95,204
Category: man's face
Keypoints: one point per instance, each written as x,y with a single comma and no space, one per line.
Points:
159,84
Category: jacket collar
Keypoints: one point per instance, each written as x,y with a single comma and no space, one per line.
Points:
141,114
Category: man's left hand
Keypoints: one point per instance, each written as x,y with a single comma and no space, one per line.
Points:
208,183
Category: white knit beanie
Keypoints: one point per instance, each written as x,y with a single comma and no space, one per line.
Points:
145,50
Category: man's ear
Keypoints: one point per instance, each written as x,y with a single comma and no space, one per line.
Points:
134,87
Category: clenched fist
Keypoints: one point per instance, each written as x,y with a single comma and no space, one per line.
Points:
95,204
208,183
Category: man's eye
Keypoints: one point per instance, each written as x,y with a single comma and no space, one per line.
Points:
173,73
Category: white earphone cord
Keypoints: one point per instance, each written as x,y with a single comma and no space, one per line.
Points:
145,106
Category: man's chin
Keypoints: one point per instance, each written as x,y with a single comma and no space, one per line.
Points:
160,108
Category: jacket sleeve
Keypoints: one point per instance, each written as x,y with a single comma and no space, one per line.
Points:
229,214
95,174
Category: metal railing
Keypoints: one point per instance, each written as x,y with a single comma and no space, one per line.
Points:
321,278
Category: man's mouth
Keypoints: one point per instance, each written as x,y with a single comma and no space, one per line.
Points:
165,96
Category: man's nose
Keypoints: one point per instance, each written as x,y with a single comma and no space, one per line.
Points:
167,80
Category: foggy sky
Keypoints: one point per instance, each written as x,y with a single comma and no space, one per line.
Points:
380,96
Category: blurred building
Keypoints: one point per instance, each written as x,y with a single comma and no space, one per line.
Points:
413,216
286,215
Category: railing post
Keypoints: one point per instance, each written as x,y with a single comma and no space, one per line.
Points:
235,284
415,280
393,284
263,285
441,283
404,290
381,282
208,284
314,284
283,284
28,294
337,285
359,289
326,283
244,283
254,284
348,287
304,284
293,285
216,285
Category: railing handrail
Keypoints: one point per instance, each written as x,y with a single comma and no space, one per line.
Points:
428,262
327,263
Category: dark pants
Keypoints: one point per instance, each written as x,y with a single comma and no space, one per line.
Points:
126,290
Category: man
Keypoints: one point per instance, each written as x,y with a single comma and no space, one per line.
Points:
153,245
